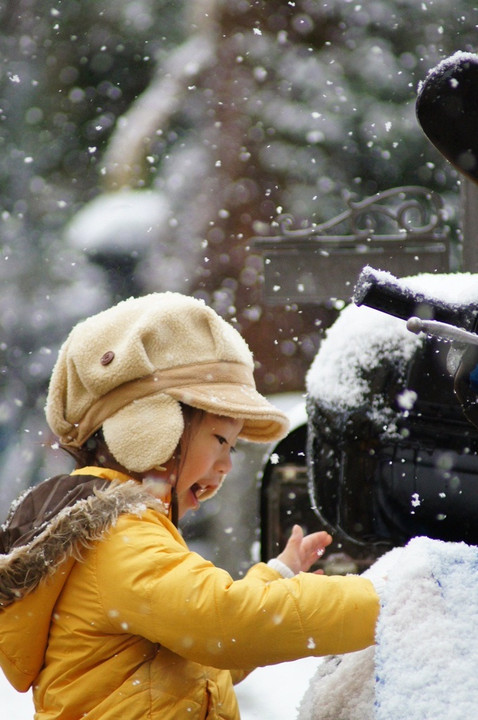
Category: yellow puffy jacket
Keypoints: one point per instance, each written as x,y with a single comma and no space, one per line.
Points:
126,622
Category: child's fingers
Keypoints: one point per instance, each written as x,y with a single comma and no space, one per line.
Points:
296,536
316,541
292,553
313,547
321,537
324,538
300,552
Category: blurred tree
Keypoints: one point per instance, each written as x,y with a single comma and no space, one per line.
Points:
67,72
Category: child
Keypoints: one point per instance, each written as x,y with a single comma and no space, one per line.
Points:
105,611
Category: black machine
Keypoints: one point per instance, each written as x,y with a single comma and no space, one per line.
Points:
376,490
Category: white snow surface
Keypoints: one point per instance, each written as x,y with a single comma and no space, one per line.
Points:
358,339
424,662
427,636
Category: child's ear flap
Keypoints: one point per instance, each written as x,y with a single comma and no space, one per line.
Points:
145,433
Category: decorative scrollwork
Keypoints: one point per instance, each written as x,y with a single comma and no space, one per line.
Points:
401,230
410,211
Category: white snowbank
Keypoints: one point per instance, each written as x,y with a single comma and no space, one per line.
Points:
424,663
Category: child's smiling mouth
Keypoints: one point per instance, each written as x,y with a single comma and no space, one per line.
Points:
197,490
201,491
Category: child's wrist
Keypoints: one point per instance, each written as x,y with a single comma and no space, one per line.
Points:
281,568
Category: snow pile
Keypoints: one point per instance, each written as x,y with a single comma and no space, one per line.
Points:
341,689
354,346
120,222
363,341
424,664
430,613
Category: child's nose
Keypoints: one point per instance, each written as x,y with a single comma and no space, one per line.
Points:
224,463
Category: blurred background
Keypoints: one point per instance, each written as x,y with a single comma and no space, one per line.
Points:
143,143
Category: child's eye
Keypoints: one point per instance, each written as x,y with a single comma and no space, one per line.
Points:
222,441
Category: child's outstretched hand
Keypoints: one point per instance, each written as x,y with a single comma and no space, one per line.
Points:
301,552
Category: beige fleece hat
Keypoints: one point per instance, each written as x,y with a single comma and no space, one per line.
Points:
126,368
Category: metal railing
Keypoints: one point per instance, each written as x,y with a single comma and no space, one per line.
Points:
402,230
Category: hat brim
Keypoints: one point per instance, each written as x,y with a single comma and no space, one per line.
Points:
263,422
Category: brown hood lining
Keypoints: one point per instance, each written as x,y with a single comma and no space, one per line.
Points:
71,531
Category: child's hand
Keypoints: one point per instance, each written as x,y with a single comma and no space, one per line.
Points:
301,552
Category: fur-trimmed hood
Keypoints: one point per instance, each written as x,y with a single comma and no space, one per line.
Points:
47,530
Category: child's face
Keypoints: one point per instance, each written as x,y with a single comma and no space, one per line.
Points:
207,460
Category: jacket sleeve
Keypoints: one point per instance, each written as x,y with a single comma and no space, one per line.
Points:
162,591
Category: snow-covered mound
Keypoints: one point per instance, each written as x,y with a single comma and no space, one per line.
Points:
359,342
426,654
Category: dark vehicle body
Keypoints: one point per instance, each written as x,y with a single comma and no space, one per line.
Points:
375,480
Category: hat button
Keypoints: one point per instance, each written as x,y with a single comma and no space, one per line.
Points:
107,357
